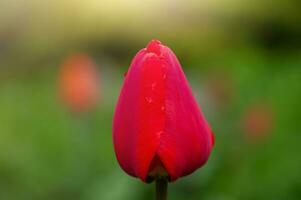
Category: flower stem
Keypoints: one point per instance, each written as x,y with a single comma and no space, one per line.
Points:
161,188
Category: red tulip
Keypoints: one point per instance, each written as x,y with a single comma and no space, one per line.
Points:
158,128
78,83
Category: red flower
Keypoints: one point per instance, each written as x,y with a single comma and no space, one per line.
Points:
78,83
158,127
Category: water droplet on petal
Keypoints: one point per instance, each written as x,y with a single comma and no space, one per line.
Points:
149,99
153,85
159,133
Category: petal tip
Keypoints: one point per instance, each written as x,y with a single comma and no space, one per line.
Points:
154,46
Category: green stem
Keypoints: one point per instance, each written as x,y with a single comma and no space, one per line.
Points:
161,189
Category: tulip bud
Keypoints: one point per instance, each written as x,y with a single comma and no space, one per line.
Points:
78,83
158,128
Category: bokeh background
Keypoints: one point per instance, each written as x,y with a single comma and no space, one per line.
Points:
242,58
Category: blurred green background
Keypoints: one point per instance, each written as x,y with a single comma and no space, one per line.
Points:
242,58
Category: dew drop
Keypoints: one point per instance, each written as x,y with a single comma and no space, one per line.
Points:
153,85
159,133
149,99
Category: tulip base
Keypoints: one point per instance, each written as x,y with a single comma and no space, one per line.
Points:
161,188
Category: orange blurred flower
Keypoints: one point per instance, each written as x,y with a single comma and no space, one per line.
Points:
257,121
78,83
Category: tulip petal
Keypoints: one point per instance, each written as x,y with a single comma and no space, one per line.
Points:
139,119
187,142
125,119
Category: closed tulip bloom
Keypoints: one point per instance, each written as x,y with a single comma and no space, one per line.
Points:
158,128
78,83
